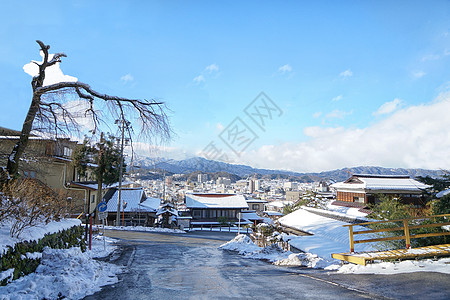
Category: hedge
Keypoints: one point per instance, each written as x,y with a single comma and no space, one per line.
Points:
16,257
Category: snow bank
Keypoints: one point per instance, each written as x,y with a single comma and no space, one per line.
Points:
407,266
101,248
69,273
273,253
147,229
303,260
242,244
33,233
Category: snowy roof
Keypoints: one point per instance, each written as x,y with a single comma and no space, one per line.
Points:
251,216
381,182
132,196
215,201
252,200
273,213
163,210
329,236
152,203
279,203
443,193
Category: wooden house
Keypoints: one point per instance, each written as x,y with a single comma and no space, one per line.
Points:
210,209
366,189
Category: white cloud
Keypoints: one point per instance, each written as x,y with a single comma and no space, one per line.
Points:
199,79
388,107
317,114
127,78
338,114
337,98
430,57
285,69
418,74
212,68
211,71
413,137
346,73
220,126
53,74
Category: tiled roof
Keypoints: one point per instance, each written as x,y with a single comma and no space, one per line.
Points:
381,182
132,196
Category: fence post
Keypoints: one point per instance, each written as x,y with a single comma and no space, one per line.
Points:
407,237
352,244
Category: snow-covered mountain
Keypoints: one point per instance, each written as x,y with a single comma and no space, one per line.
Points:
196,164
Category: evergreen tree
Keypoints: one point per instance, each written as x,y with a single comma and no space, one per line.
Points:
104,154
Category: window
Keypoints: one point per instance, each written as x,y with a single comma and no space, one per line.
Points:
67,152
358,199
255,206
93,199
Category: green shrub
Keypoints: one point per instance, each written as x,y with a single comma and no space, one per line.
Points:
15,257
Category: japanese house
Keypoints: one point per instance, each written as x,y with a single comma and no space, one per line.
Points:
211,209
366,189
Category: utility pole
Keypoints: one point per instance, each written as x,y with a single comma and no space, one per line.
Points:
122,127
101,168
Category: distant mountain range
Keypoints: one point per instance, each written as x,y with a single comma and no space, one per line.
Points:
199,164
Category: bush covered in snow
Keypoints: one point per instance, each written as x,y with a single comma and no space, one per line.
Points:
20,258
241,243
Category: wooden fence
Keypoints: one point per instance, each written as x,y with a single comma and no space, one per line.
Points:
405,229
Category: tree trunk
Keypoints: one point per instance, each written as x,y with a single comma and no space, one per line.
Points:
19,148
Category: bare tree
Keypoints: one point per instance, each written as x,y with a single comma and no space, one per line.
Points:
48,113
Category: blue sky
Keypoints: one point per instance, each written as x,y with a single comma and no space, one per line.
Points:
358,82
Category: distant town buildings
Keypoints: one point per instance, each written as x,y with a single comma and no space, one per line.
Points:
202,178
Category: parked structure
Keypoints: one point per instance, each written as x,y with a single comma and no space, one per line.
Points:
366,189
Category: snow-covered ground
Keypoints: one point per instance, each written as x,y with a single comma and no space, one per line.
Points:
329,236
66,272
33,233
142,228
274,254
62,272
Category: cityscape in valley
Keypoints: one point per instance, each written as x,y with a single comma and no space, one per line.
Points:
239,150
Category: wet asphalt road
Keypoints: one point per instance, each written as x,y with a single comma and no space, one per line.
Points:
189,266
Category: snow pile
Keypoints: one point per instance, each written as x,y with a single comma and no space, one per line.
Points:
100,247
407,266
147,229
272,253
62,273
303,260
33,233
242,244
